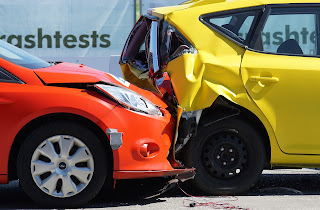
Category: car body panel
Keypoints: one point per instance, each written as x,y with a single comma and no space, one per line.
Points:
24,74
146,174
3,178
68,73
198,79
280,100
128,75
206,90
137,133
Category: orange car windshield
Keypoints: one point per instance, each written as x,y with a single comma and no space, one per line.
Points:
20,57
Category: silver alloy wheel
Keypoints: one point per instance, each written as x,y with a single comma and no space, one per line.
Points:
62,166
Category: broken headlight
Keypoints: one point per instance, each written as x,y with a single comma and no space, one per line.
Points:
129,99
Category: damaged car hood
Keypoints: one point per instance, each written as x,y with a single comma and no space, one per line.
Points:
71,73
68,73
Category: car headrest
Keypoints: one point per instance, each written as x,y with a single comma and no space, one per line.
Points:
230,28
290,46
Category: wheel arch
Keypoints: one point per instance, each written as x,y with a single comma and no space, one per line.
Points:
23,133
222,109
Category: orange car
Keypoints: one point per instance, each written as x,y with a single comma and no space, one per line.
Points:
66,128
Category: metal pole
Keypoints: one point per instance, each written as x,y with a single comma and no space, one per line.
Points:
140,8
134,12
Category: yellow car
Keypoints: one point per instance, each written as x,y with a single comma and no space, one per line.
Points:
246,80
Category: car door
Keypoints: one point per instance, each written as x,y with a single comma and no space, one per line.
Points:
281,72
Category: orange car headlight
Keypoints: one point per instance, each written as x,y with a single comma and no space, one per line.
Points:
130,99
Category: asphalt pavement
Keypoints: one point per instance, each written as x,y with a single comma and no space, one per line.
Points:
276,189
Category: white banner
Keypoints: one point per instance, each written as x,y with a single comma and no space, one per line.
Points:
67,28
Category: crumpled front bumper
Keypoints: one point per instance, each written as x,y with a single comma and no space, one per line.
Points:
146,143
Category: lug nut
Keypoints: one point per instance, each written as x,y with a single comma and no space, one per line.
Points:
232,159
218,156
222,149
224,163
230,150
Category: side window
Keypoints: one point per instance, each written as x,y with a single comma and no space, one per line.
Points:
236,25
290,31
8,77
244,29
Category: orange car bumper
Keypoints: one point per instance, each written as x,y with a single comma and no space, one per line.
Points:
146,144
149,174
3,179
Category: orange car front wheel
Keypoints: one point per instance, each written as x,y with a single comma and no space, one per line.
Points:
62,164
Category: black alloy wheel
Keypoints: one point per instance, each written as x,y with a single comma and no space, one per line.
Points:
224,155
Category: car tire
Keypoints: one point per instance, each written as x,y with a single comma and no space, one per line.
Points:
62,165
228,156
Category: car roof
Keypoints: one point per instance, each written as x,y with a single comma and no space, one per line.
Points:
254,2
221,5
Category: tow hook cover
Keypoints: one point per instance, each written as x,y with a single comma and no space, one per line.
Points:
115,138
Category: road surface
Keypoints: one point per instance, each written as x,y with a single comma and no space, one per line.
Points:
276,189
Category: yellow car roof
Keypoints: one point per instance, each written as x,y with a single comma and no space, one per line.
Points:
221,5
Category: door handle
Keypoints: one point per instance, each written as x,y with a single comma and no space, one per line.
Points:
263,79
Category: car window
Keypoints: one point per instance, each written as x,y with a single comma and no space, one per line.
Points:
220,21
289,31
8,77
20,57
236,25
135,49
244,29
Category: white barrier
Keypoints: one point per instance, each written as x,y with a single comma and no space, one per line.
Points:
78,31
81,31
